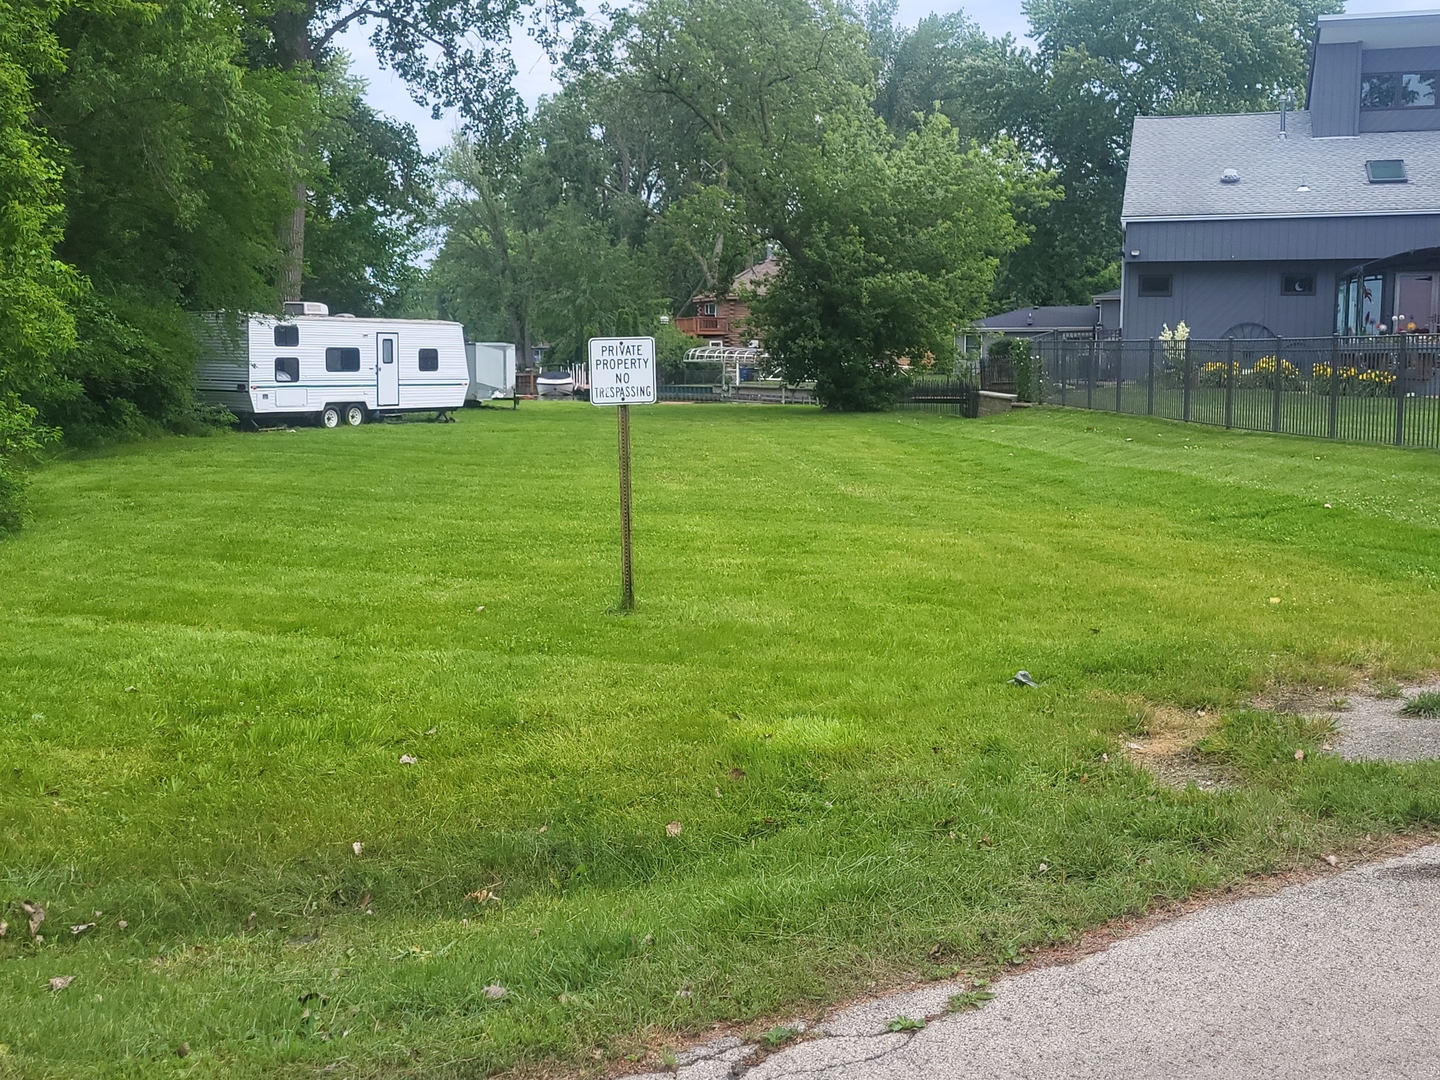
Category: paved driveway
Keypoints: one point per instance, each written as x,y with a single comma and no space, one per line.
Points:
1335,978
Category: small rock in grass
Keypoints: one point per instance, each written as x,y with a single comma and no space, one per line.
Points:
1044,867
60,982
123,925
357,847
1299,755
495,991
409,759
673,829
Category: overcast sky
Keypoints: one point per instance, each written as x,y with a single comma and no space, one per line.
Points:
388,93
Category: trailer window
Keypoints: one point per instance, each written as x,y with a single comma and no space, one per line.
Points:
342,359
287,337
429,359
287,369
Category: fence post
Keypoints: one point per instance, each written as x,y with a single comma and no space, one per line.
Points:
1275,399
1119,373
1401,366
1185,373
1334,387
1062,352
1150,382
1090,382
1229,382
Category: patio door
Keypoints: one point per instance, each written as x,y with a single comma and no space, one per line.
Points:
1416,302
387,370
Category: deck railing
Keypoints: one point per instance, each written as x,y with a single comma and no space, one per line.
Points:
1359,389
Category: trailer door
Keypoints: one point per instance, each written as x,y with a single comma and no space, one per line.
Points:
387,370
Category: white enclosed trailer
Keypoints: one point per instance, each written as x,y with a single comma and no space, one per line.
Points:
336,368
492,369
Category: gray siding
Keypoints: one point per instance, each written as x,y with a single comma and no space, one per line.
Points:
1356,239
1335,90
1211,298
1426,58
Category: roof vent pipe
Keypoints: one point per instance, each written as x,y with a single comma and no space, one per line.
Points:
1285,104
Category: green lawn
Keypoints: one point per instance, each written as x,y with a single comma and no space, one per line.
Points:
213,653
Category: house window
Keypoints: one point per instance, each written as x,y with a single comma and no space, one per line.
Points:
1155,284
707,309
287,337
1298,284
342,359
287,369
1386,171
1398,90
429,359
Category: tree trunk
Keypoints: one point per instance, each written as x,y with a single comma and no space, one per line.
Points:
291,233
291,30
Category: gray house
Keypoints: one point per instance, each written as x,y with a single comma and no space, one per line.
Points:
1309,223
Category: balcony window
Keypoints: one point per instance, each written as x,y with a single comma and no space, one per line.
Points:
1398,90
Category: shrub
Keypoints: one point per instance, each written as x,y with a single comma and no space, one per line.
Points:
1017,352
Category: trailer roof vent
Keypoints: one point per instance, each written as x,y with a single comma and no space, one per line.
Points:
305,307
1230,176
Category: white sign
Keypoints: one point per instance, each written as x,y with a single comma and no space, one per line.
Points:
622,371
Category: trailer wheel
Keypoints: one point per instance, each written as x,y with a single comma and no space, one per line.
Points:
355,415
330,417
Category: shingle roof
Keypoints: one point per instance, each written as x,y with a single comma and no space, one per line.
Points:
1080,316
1176,162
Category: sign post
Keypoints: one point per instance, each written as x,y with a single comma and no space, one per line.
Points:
622,373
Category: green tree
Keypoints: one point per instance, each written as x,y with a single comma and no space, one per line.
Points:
370,207
883,247
900,246
36,325
175,167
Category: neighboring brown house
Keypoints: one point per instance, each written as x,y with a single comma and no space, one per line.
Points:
720,320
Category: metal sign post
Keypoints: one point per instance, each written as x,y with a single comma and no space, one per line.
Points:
622,373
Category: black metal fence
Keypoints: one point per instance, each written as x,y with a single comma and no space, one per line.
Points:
1360,389
955,396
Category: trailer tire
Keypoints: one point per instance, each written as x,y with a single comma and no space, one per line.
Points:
355,415
330,417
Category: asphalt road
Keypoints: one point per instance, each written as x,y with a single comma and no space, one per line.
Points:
1338,977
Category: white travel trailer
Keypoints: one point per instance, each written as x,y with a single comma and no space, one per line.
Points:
336,368
492,369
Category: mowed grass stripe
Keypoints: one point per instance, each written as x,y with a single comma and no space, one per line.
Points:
829,607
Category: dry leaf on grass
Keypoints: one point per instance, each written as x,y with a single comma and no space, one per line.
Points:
737,774
1299,755
357,847
4,927
495,991
36,913
80,928
1332,860
673,829
409,759
60,982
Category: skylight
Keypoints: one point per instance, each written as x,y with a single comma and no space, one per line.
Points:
1386,171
